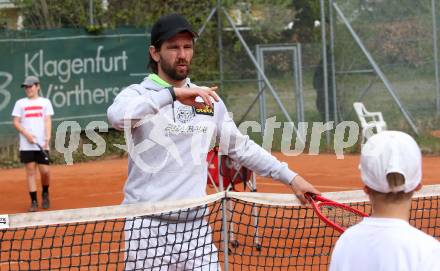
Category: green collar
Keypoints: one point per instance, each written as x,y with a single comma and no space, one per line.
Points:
156,79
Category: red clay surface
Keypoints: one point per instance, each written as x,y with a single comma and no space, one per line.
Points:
101,183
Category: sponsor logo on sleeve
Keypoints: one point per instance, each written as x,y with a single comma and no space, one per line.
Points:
205,110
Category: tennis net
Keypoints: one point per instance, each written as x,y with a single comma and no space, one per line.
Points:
227,231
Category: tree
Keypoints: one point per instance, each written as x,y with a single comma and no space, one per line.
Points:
308,12
269,21
48,14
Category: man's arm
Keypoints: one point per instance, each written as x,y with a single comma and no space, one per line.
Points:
188,96
134,103
249,154
16,122
300,186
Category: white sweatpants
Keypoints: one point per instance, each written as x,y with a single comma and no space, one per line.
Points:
156,245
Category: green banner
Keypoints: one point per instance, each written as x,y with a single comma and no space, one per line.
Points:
80,73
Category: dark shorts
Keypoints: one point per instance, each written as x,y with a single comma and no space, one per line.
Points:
34,156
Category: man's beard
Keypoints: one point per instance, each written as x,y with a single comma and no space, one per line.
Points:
172,72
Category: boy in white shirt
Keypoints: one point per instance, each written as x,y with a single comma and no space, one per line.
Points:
391,169
32,119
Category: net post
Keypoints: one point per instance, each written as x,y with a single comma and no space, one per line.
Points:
255,212
224,215
225,232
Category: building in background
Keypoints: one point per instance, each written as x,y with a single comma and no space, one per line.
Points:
10,17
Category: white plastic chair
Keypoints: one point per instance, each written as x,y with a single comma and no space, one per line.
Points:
371,122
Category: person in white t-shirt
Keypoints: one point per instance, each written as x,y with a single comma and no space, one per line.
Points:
391,169
32,117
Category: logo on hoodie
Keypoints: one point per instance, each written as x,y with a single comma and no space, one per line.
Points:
185,114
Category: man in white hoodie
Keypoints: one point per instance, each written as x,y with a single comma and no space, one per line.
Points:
169,124
391,169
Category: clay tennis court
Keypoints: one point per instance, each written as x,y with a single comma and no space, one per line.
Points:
101,183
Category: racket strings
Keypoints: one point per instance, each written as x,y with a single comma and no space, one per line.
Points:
340,216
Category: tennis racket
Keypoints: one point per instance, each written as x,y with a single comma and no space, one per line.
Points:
336,215
43,152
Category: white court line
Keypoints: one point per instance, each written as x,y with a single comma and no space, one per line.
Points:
92,195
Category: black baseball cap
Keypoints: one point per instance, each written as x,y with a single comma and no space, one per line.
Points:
169,25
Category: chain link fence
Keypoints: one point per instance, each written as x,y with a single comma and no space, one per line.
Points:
381,53
400,38
395,71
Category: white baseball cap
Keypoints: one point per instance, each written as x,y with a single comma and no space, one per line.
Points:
30,81
391,152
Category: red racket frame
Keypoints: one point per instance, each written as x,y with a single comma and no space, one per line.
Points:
317,201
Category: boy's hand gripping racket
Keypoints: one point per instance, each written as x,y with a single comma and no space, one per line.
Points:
43,152
336,215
